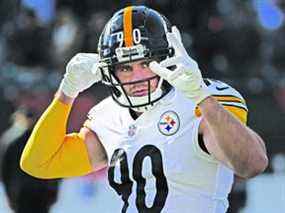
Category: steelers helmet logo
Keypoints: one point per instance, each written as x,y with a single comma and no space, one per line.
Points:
169,123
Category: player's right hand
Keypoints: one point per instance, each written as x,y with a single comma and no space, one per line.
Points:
82,71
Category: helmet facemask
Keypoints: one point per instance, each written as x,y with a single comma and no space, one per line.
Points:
137,103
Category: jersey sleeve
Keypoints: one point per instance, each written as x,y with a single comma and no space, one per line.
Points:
103,119
94,117
229,98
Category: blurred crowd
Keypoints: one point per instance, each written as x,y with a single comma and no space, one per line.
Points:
239,42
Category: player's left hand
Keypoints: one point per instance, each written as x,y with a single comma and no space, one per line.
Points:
186,77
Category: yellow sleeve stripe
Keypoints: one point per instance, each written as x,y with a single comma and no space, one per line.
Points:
229,98
239,112
237,106
197,112
128,26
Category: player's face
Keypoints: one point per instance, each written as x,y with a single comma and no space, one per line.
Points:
136,71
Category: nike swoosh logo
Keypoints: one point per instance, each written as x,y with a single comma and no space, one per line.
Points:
222,88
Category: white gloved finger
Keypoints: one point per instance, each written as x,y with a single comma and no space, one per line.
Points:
83,60
171,61
92,55
176,44
159,70
177,33
95,68
87,56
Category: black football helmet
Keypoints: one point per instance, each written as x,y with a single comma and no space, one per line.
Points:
134,33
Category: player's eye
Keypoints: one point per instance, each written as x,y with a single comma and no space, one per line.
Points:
124,69
145,64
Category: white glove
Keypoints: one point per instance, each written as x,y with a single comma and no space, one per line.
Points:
186,77
82,71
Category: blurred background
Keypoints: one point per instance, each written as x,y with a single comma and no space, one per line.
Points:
239,42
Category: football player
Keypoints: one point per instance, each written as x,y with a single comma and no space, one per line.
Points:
171,140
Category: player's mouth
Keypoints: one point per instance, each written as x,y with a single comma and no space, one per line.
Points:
141,92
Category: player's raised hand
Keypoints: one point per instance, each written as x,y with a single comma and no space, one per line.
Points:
82,71
186,77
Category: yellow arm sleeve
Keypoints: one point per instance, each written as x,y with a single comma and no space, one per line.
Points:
50,152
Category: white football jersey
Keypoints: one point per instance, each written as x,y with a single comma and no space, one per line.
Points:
155,162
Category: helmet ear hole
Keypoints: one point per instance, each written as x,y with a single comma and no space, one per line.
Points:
166,86
172,68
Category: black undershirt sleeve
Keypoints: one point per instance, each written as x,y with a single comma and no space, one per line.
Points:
202,143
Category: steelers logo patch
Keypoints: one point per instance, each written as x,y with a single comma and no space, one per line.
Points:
168,123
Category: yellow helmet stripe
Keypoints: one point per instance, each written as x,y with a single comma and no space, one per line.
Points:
128,26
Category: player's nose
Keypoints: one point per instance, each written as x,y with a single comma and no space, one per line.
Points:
138,73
